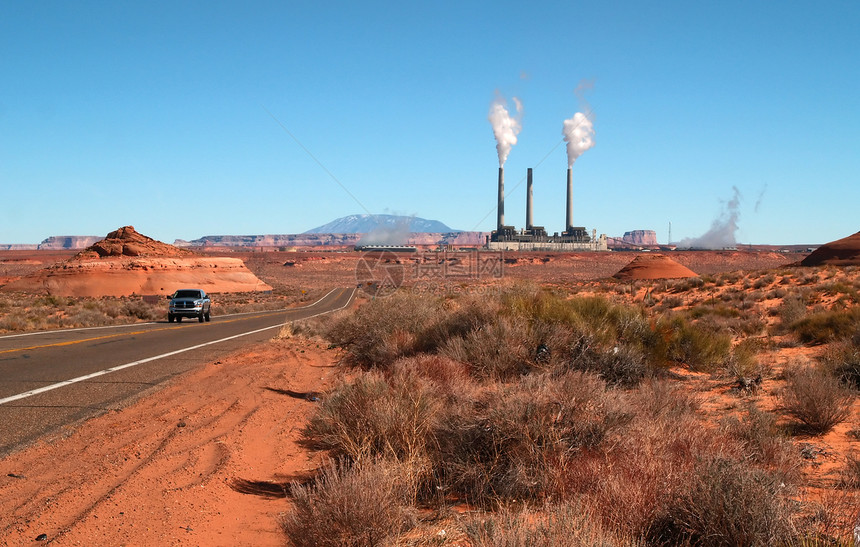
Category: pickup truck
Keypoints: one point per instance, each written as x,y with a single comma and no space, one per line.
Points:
188,303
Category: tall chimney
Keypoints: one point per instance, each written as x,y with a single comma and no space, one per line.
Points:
501,207
529,195
569,220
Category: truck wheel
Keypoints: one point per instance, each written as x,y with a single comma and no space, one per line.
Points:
207,317
200,317
170,318
179,319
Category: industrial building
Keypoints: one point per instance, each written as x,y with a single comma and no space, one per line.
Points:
535,238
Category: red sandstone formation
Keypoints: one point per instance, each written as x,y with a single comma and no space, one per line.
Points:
842,252
127,262
654,266
128,242
640,237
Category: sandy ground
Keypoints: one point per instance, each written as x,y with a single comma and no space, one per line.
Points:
203,461
200,462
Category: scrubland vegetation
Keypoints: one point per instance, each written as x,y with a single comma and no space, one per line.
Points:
537,417
21,312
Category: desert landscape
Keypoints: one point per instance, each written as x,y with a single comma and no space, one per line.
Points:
407,274
620,398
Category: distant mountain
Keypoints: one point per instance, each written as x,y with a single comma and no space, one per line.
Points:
363,224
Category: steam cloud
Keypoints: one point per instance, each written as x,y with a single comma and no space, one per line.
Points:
578,133
388,232
505,127
722,232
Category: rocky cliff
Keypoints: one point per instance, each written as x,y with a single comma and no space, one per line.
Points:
55,243
126,262
640,237
330,240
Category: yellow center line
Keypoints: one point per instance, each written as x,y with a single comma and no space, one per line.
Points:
72,342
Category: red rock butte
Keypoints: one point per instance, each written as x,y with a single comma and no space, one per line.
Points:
842,252
654,266
126,263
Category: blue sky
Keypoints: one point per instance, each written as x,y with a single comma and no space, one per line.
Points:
168,116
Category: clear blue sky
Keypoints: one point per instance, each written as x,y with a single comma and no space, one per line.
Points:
157,115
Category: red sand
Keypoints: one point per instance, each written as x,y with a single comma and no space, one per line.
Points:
197,463
655,266
842,252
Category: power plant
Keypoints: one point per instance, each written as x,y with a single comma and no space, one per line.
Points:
578,133
535,238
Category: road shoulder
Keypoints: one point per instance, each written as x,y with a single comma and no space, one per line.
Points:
198,462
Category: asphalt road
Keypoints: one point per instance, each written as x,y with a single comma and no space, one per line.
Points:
52,379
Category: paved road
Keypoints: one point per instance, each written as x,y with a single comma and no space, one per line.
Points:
51,379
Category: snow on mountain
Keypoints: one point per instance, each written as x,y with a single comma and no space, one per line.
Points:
363,224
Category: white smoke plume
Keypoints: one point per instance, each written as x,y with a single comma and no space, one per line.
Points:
722,232
760,198
388,231
505,127
578,133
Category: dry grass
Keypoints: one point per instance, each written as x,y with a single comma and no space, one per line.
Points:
357,506
546,526
815,399
549,406
726,503
21,312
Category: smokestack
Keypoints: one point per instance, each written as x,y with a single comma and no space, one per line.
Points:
569,220
529,196
501,206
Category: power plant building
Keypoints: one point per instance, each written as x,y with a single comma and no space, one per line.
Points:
535,238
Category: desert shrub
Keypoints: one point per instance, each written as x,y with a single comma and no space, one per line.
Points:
515,441
52,301
307,328
459,318
839,287
791,310
728,319
547,526
447,377
384,329
825,326
361,506
743,362
141,310
842,359
808,279
725,502
688,284
699,348
15,321
720,311
661,399
535,304
670,302
816,399
763,442
631,479
87,316
501,349
851,472
776,293
622,365
375,416
733,294
762,282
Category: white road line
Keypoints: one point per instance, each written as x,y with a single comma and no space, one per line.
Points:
162,356
154,323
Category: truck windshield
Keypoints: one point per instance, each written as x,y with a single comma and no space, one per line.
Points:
187,294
